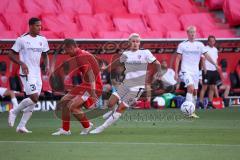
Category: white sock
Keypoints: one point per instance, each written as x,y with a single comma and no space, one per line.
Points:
189,97
25,117
27,113
115,116
14,102
24,104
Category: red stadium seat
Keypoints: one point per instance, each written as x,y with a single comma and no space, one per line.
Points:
220,33
214,4
17,22
178,7
143,6
111,34
51,34
203,21
8,35
152,35
179,34
59,23
78,35
109,7
130,23
231,10
11,6
3,27
94,23
76,6
37,7
160,22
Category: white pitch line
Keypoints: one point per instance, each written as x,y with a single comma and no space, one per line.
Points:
123,143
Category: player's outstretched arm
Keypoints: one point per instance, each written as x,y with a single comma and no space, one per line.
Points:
13,57
92,81
177,62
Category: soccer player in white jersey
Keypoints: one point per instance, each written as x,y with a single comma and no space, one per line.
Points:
189,54
30,47
135,62
210,73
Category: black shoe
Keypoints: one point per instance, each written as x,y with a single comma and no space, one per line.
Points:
200,105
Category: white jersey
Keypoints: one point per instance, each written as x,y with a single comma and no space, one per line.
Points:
30,50
191,53
136,67
168,77
213,53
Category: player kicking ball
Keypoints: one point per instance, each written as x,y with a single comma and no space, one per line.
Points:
84,95
189,53
30,47
135,62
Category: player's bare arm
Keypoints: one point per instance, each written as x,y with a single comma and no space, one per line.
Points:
177,62
46,61
13,57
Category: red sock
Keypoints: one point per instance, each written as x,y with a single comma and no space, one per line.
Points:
66,121
85,122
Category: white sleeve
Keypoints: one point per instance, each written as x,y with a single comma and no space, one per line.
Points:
45,45
180,49
17,46
150,57
203,49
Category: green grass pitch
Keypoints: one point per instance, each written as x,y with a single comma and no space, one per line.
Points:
139,135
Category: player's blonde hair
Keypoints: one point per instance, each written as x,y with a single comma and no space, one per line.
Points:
191,28
134,35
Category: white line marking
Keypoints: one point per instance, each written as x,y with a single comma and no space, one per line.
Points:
123,143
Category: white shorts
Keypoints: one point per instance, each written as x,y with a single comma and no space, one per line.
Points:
2,91
31,84
189,79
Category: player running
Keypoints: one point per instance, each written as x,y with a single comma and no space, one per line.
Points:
135,62
30,47
81,96
189,53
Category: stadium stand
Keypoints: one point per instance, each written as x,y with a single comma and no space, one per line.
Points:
73,7
13,6
113,7
214,4
231,10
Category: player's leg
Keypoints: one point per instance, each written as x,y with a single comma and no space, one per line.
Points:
33,90
63,106
113,100
11,94
211,94
202,93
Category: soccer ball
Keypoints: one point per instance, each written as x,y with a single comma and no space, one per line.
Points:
159,102
188,108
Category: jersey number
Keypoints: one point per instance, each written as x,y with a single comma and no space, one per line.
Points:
33,87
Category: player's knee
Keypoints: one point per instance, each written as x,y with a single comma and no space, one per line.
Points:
34,98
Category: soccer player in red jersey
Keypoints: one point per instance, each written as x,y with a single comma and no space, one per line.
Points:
84,95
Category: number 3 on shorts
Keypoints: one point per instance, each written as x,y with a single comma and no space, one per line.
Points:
33,87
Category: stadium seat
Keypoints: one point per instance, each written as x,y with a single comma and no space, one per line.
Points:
11,6
37,7
195,19
231,10
109,7
220,33
160,22
78,35
59,23
130,23
76,6
3,27
18,22
143,6
8,35
51,34
111,34
94,23
152,35
180,34
214,4
178,7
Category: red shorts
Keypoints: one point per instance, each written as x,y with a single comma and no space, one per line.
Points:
84,91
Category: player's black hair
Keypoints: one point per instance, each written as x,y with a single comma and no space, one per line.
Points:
33,20
211,36
69,42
